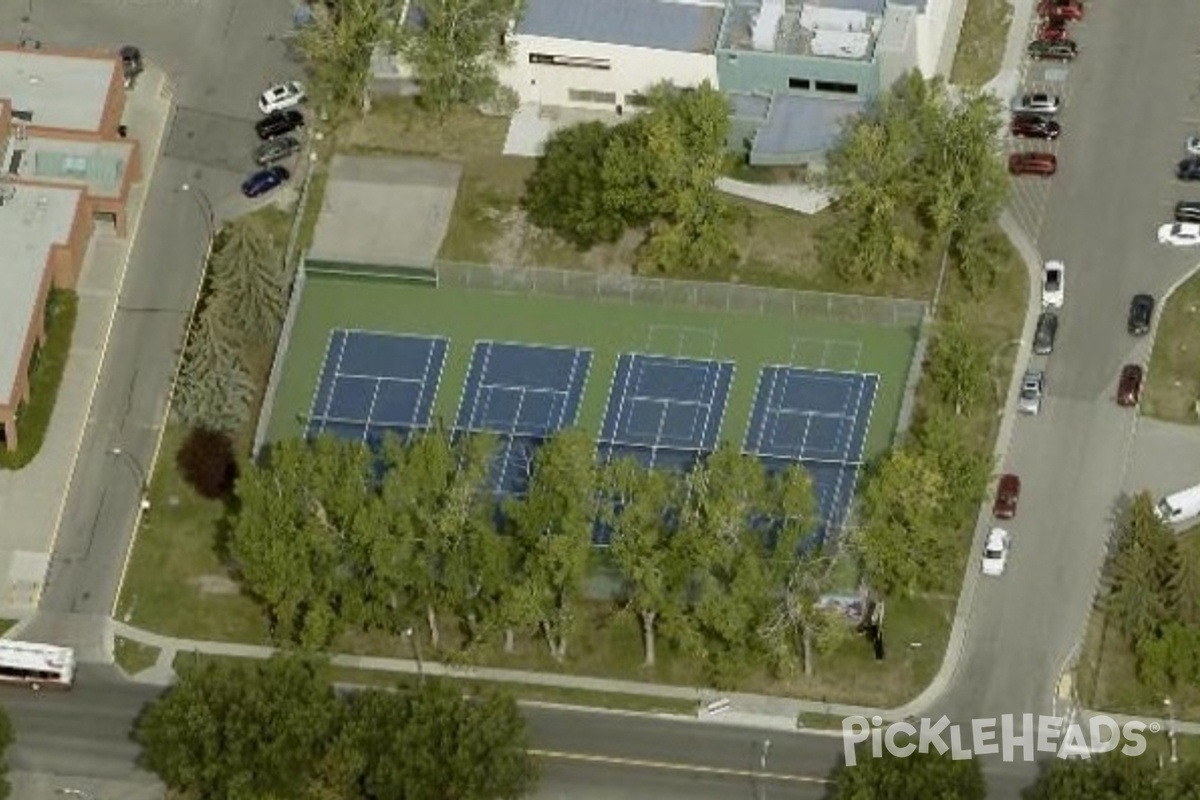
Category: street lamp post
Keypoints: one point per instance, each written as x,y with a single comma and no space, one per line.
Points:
415,641
138,471
1171,730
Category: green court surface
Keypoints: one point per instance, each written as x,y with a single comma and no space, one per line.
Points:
608,328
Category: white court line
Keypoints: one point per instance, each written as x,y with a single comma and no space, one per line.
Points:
485,348
312,406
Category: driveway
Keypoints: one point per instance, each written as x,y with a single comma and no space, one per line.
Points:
1128,103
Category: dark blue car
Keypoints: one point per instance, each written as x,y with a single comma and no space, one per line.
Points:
264,181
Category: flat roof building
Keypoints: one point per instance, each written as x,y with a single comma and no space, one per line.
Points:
64,163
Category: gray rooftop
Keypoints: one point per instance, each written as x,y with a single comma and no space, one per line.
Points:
750,106
31,222
804,124
61,91
382,211
686,27
868,6
98,165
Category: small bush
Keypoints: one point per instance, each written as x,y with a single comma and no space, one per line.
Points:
208,464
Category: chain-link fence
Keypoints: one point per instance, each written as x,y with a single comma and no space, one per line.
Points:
804,306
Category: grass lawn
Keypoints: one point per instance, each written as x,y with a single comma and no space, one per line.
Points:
1173,383
981,43
6,625
46,373
1107,677
133,657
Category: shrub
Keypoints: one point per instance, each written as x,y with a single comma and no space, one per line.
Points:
207,462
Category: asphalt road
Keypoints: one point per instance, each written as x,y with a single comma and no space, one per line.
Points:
219,56
1131,100
585,756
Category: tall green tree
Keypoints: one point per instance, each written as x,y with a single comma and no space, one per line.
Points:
945,439
230,730
1109,775
436,744
918,776
337,47
552,525
291,540
248,276
214,389
566,194
438,489
902,541
455,47
958,365
640,508
1141,570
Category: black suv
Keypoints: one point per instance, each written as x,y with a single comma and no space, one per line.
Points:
1047,331
1188,169
276,149
1187,211
279,123
1064,50
1141,312
1034,126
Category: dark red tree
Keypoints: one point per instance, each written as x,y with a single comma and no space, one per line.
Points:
207,462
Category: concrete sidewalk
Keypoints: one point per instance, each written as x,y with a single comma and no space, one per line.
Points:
32,499
751,710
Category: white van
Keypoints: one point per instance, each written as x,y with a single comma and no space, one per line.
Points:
1180,507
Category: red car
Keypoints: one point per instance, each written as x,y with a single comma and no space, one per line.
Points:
1129,387
1053,30
1007,495
1060,9
1044,164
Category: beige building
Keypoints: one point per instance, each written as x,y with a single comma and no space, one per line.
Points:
66,164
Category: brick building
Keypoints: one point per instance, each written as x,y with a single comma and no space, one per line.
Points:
66,166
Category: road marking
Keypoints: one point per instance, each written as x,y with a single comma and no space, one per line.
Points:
676,767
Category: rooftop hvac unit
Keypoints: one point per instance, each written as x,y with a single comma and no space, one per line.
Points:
766,25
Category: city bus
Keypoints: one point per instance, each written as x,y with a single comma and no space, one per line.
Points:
36,665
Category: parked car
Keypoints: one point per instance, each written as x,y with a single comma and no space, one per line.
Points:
1053,29
1141,314
274,150
1046,333
995,552
1008,493
264,181
1044,164
1064,50
1037,103
1060,9
131,64
1180,234
1032,126
1188,169
1033,386
1129,385
281,97
1054,275
278,123
1187,211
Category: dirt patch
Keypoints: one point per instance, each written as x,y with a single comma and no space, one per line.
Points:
216,584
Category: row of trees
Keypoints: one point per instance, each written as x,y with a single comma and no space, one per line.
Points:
241,307
654,172
916,173
228,730
1154,598
330,536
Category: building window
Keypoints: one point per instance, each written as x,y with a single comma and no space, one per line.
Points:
582,62
637,100
590,96
799,83
837,87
